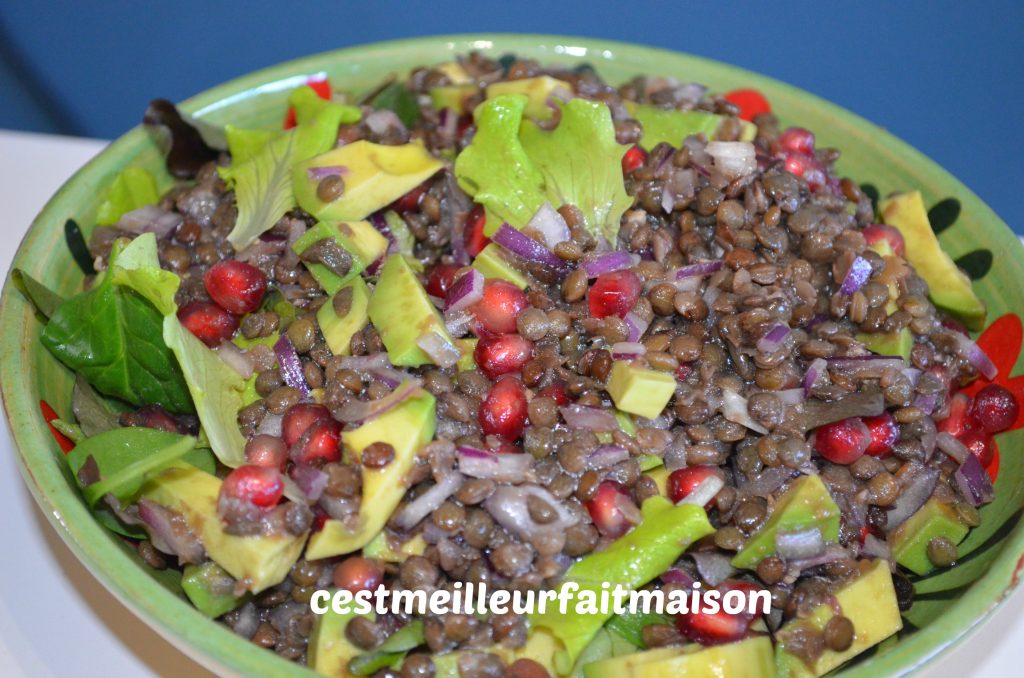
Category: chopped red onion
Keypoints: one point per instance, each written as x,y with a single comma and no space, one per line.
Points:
457,323
150,219
636,326
169,533
425,504
916,492
773,339
926,402
699,270
447,123
734,408
526,247
290,365
705,491
973,482
912,374
790,396
714,566
953,447
627,508
606,456
442,352
467,289
627,350
500,467
236,359
589,418
358,411
607,262
976,357
831,554
383,120
875,548
679,576
733,158
311,481
860,271
799,545
550,225
324,171
509,507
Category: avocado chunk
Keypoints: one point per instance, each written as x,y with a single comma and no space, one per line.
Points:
407,428
805,505
390,550
632,560
671,127
948,287
257,562
361,240
466,348
493,264
909,541
538,91
338,330
329,648
452,97
402,312
660,477
639,390
869,601
374,175
889,343
747,658
211,589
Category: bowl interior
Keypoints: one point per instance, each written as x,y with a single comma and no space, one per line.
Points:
949,605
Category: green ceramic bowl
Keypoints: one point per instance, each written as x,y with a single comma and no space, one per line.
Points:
955,602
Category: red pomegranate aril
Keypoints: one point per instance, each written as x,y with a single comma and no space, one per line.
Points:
884,433
750,102
804,166
614,293
556,391
473,234
633,160
683,481
502,354
236,286
299,418
411,200
796,140
995,408
960,419
980,443
257,485
266,450
441,278
496,312
606,509
357,573
503,411
842,442
875,233
320,444
719,627
210,323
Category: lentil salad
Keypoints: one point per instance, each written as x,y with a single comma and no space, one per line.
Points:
760,246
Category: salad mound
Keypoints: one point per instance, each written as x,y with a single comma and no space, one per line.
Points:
505,325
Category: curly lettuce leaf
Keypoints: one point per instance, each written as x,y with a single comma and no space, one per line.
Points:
131,189
512,167
138,267
244,144
661,125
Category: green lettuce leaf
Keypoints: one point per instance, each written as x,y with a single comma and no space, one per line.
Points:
131,189
513,166
309,106
42,297
243,143
662,125
263,182
138,268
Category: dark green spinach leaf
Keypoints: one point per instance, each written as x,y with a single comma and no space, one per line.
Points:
395,97
42,297
94,414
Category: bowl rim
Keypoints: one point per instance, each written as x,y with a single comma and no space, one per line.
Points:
220,648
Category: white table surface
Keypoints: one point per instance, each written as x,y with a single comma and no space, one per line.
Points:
57,620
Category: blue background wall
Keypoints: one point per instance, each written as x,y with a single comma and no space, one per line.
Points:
945,76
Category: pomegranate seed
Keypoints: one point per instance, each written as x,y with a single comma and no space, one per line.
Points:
614,293
473,235
321,86
608,509
411,200
633,159
684,371
720,627
357,573
210,323
266,450
979,442
683,481
960,419
299,418
750,102
504,447
503,411
465,122
320,517
556,391
502,354
257,485
496,312
236,286
955,325
995,408
884,433
441,278
320,443
810,169
842,442
795,140
874,233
